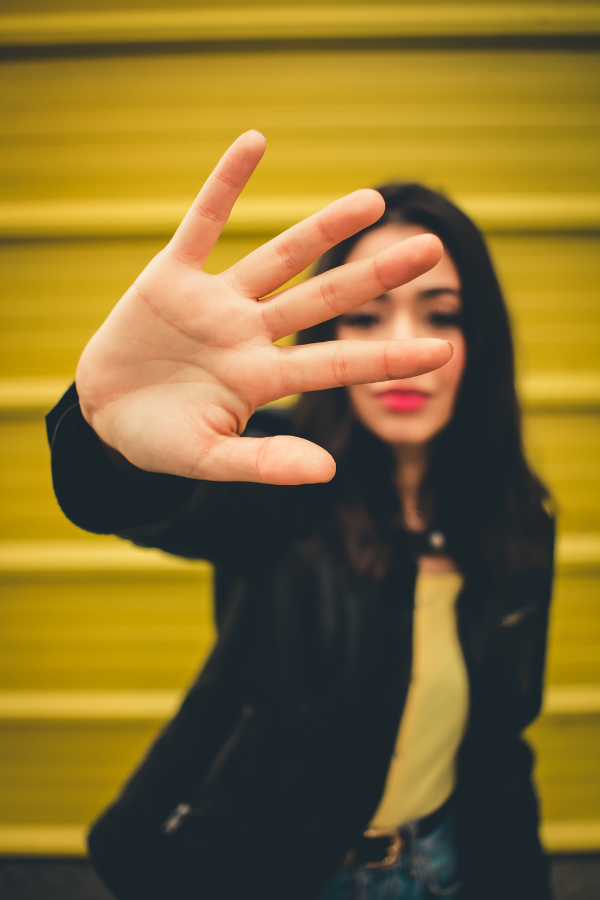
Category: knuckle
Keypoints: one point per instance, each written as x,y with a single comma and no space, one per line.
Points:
285,374
180,255
329,296
385,282
322,227
228,182
273,317
284,255
340,367
203,211
261,461
233,279
388,366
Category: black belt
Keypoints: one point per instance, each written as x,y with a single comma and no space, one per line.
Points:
379,848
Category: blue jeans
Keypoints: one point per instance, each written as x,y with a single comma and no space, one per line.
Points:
427,869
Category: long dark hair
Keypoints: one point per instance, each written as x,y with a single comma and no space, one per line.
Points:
485,497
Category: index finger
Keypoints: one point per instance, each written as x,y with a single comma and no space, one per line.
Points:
204,221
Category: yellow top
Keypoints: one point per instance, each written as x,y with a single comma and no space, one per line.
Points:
422,772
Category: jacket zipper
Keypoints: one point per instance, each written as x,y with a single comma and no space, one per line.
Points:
173,822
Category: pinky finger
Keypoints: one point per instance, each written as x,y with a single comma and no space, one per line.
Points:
315,367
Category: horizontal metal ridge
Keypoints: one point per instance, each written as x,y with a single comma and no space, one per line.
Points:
247,23
94,557
560,390
558,836
570,835
578,550
150,705
556,390
88,705
267,215
31,396
43,840
571,699
109,556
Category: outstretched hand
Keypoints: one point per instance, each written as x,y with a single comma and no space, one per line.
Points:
183,360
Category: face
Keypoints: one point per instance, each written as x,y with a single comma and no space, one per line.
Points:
410,410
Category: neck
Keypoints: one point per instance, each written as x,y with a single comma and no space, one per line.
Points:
412,461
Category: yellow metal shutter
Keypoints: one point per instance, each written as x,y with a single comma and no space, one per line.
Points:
110,121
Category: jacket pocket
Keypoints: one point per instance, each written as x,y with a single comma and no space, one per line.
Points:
518,657
510,619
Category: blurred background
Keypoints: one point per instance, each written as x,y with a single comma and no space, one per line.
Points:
112,113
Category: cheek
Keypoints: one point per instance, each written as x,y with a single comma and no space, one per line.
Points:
451,374
366,409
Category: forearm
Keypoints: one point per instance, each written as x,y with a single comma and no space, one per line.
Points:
100,491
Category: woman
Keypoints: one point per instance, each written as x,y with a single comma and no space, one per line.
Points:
355,732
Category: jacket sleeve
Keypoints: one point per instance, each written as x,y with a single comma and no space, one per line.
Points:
496,803
537,660
238,522
511,671
522,636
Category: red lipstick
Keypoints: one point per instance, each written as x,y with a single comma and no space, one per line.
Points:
398,400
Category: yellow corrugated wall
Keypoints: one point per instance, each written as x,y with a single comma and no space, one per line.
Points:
110,120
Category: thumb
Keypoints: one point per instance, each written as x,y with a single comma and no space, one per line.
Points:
280,459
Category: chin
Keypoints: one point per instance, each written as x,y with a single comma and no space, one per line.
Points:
406,436
403,429
400,432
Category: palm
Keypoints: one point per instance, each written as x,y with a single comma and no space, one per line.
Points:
184,359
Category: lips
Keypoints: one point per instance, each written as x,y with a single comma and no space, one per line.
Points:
402,401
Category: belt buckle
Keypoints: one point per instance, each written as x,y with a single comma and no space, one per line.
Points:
393,851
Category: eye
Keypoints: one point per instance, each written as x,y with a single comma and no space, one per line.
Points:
361,320
445,319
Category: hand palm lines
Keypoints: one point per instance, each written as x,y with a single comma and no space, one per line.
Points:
223,334
185,357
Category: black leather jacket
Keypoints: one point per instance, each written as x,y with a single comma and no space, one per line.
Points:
278,757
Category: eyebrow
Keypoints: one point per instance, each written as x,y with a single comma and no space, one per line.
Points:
431,293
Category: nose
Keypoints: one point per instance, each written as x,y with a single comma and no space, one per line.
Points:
403,325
